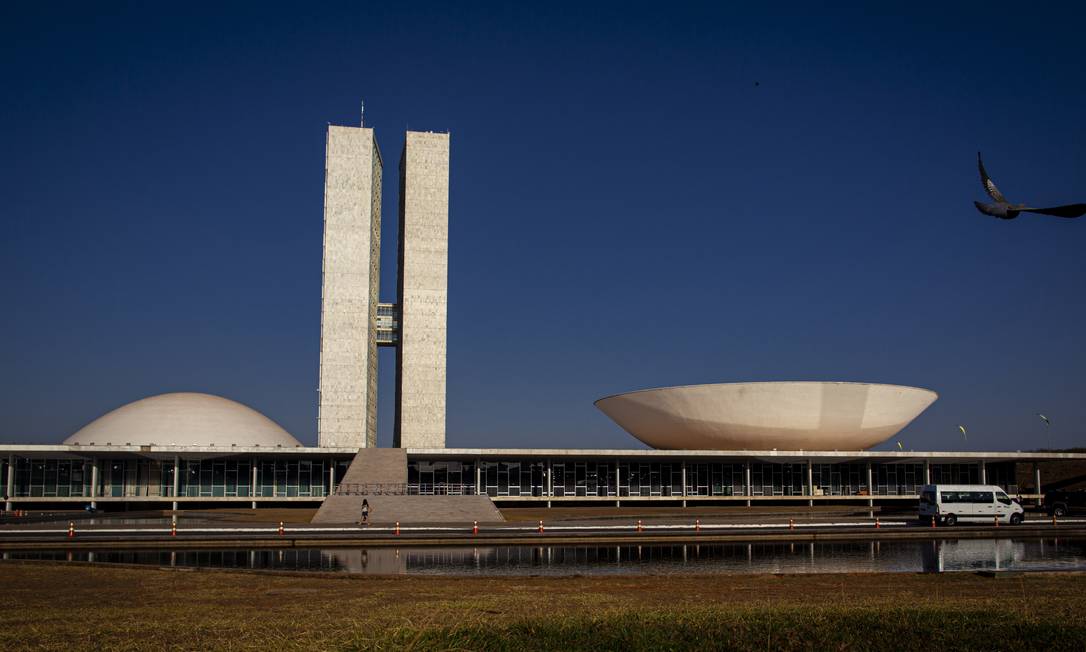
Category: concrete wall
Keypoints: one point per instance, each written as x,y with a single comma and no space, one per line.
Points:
352,243
423,291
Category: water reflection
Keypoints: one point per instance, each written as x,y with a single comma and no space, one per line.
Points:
785,558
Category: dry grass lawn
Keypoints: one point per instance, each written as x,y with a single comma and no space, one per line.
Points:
81,607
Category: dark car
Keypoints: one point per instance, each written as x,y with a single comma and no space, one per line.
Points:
1061,502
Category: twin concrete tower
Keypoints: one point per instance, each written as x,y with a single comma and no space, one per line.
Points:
353,321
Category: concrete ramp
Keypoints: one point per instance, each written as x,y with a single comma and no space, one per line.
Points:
410,509
379,475
376,466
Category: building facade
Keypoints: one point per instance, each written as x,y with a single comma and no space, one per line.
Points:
122,477
423,291
347,406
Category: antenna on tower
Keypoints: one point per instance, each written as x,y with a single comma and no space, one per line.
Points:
362,114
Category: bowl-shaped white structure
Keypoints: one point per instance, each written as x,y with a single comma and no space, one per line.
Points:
766,416
183,419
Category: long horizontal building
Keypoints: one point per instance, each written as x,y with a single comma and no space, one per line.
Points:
151,476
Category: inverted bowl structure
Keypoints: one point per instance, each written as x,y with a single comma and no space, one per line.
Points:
183,419
767,416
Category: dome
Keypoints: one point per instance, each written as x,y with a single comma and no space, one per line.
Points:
183,419
767,416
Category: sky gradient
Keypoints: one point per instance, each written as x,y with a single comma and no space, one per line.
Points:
641,195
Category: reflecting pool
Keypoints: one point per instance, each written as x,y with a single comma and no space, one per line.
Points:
842,557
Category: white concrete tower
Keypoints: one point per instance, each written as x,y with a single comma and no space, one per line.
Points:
347,413
423,291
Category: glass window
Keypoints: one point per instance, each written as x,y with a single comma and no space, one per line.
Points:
558,479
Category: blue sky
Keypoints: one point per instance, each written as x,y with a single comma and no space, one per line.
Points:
642,195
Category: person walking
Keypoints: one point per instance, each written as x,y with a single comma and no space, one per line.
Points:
365,512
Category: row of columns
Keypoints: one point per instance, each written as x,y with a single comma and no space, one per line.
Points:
747,488
252,481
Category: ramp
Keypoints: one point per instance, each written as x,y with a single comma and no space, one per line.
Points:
377,466
379,476
410,509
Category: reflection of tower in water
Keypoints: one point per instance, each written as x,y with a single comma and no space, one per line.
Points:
369,561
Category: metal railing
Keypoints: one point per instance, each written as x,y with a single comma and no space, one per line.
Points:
441,489
467,489
371,489
404,489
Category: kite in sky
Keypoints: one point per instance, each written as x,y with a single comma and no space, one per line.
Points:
962,428
1004,210
1045,419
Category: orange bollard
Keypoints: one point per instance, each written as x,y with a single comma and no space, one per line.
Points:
173,529
475,529
697,525
791,524
71,529
541,526
877,524
397,528
639,528
996,520
1053,519
280,528
933,520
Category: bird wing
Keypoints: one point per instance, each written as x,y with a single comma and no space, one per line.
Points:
1070,210
995,210
986,181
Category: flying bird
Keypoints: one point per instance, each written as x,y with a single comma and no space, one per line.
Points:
1045,419
962,428
1004,210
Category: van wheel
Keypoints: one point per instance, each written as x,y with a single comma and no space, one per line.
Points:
950,520
1059,510
1016,519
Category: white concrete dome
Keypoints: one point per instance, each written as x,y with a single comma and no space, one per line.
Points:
183,419
766,416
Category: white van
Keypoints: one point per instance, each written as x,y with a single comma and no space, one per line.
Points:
981,503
